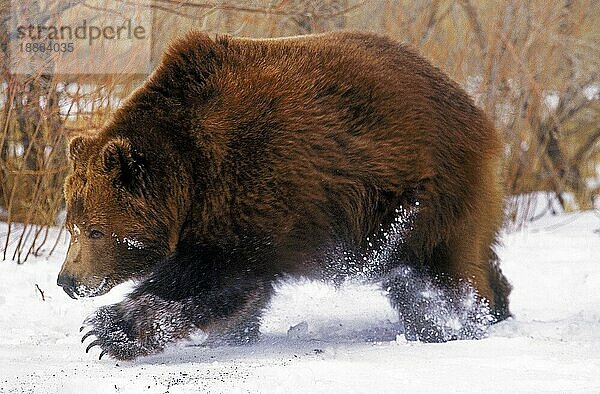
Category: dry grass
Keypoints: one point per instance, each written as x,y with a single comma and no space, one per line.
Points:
531,65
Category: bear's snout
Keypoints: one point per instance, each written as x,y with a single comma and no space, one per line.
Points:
68,283
78,287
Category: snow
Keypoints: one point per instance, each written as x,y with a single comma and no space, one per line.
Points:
340,340
133,243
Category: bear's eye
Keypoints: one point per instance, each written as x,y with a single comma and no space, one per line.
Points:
95,234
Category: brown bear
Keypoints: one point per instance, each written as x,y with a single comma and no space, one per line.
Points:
241,161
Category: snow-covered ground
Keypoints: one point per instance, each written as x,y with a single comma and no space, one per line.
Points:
343,340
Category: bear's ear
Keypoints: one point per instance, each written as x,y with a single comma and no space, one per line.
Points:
124,164
77,146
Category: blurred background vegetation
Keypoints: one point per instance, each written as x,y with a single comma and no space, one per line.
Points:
532,65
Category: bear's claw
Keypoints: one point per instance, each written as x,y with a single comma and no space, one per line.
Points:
87,334
91,345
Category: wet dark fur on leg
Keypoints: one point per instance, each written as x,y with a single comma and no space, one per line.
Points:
188,292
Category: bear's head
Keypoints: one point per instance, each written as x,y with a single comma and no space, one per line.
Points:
130,189
123,213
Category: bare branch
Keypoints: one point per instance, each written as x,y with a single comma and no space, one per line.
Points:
41,292
473,18
588,146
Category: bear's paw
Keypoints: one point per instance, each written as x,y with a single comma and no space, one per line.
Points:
115,334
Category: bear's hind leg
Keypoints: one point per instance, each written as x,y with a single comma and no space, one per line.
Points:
469,256
246,332
431,311
409,294
501,289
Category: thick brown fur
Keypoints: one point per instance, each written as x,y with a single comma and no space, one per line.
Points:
294,145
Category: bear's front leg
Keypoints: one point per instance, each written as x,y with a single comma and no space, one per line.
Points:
146,324
184,294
